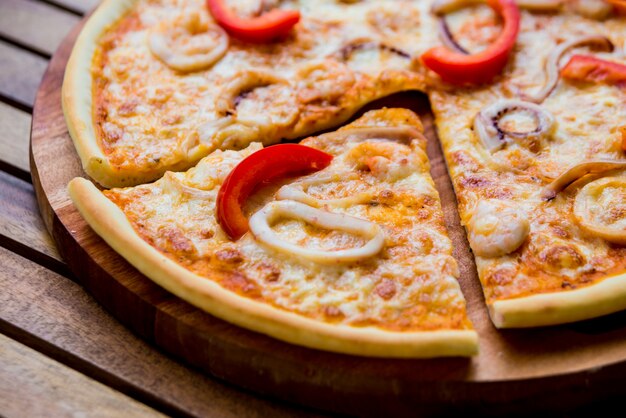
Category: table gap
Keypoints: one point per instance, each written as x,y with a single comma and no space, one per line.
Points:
38,257
16,103
15,171
88,369
19,44
64,7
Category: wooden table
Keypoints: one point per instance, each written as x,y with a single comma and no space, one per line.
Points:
61,354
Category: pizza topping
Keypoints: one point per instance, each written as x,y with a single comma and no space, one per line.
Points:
495,134
402,134
362,44
445,34
188,43
386,160
172,182
297,192
266,165
596,70
593,9
270,26
578,171
370,56
441,7
261,221
622,129
324,82
600,208
458,68
552,62
540,5
497,227
618,5
258,99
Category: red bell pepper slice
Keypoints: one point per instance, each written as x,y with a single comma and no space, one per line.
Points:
262,167
457,68
270,26
618,5
588,68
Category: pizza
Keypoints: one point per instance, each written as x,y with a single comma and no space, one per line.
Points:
142,95
541,256
333,260
189,114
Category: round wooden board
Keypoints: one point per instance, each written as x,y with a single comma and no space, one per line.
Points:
516,370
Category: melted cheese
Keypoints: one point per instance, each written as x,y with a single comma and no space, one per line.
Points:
407,284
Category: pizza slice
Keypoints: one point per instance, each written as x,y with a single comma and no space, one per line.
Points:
351,258
537,162
153,86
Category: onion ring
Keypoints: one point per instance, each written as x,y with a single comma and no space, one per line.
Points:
494,137
577,171
552,62
592,210
346,52
260,226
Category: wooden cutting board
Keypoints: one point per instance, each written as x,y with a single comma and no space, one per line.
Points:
516,370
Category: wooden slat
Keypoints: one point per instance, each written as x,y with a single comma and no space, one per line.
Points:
22,225
36,25
20,215
20,74
14,137
35,386
66,324
79,6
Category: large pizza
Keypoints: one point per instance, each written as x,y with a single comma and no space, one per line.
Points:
188,116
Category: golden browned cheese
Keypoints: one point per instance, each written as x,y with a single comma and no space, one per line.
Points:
411,285
150,117
557,254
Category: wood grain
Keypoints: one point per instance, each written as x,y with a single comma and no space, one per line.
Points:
36,25
14,137
67,324
36,386
538,369
22,229
20,75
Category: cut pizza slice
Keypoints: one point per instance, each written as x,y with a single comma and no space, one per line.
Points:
155,86
351,258
538,168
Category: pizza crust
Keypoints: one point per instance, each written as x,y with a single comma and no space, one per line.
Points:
77,96
605,297
77,102
109,222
